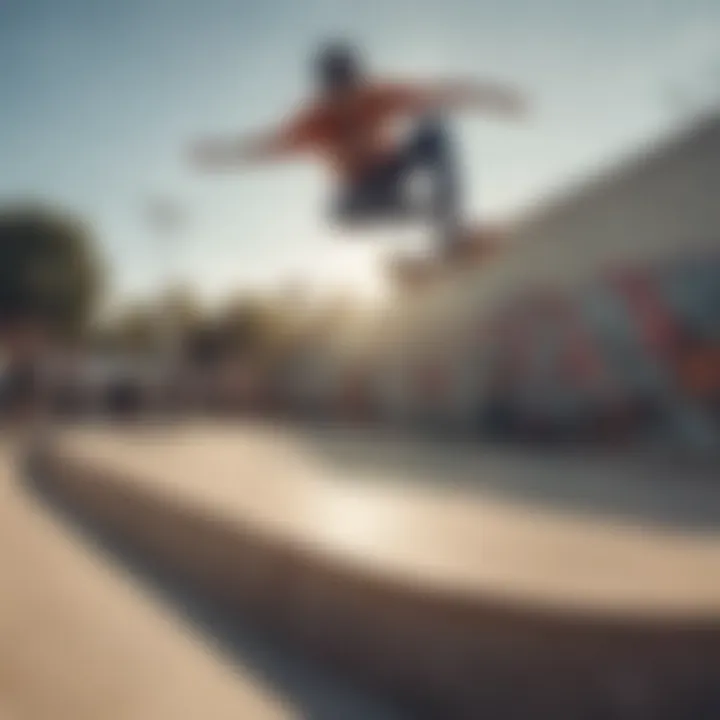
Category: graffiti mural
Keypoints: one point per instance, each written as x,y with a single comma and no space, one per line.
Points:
636,350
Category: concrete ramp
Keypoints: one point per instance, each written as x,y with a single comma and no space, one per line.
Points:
460,603
79,642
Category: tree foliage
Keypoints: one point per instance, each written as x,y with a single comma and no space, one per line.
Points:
49,271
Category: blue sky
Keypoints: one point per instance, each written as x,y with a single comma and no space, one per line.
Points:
99,97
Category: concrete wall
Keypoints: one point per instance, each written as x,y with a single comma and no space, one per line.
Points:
664,199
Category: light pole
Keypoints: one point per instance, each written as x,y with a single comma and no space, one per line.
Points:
166,220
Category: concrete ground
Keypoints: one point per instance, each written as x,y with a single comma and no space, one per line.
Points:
81,638
78,641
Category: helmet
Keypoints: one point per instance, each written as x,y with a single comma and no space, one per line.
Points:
337,66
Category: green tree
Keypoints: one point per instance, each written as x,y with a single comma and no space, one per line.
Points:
133,330
245,324
182,308
140,326
49,271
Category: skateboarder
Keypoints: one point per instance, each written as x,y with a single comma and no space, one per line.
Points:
349,124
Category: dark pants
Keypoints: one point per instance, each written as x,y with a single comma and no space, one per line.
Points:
382,194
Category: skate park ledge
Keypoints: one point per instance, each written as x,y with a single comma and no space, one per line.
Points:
457,607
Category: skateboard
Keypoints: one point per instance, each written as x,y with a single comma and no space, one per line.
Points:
475,247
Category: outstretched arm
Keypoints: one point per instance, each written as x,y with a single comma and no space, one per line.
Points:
220,153
215,153
430,97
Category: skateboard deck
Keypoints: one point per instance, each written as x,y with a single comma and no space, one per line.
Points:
476,246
